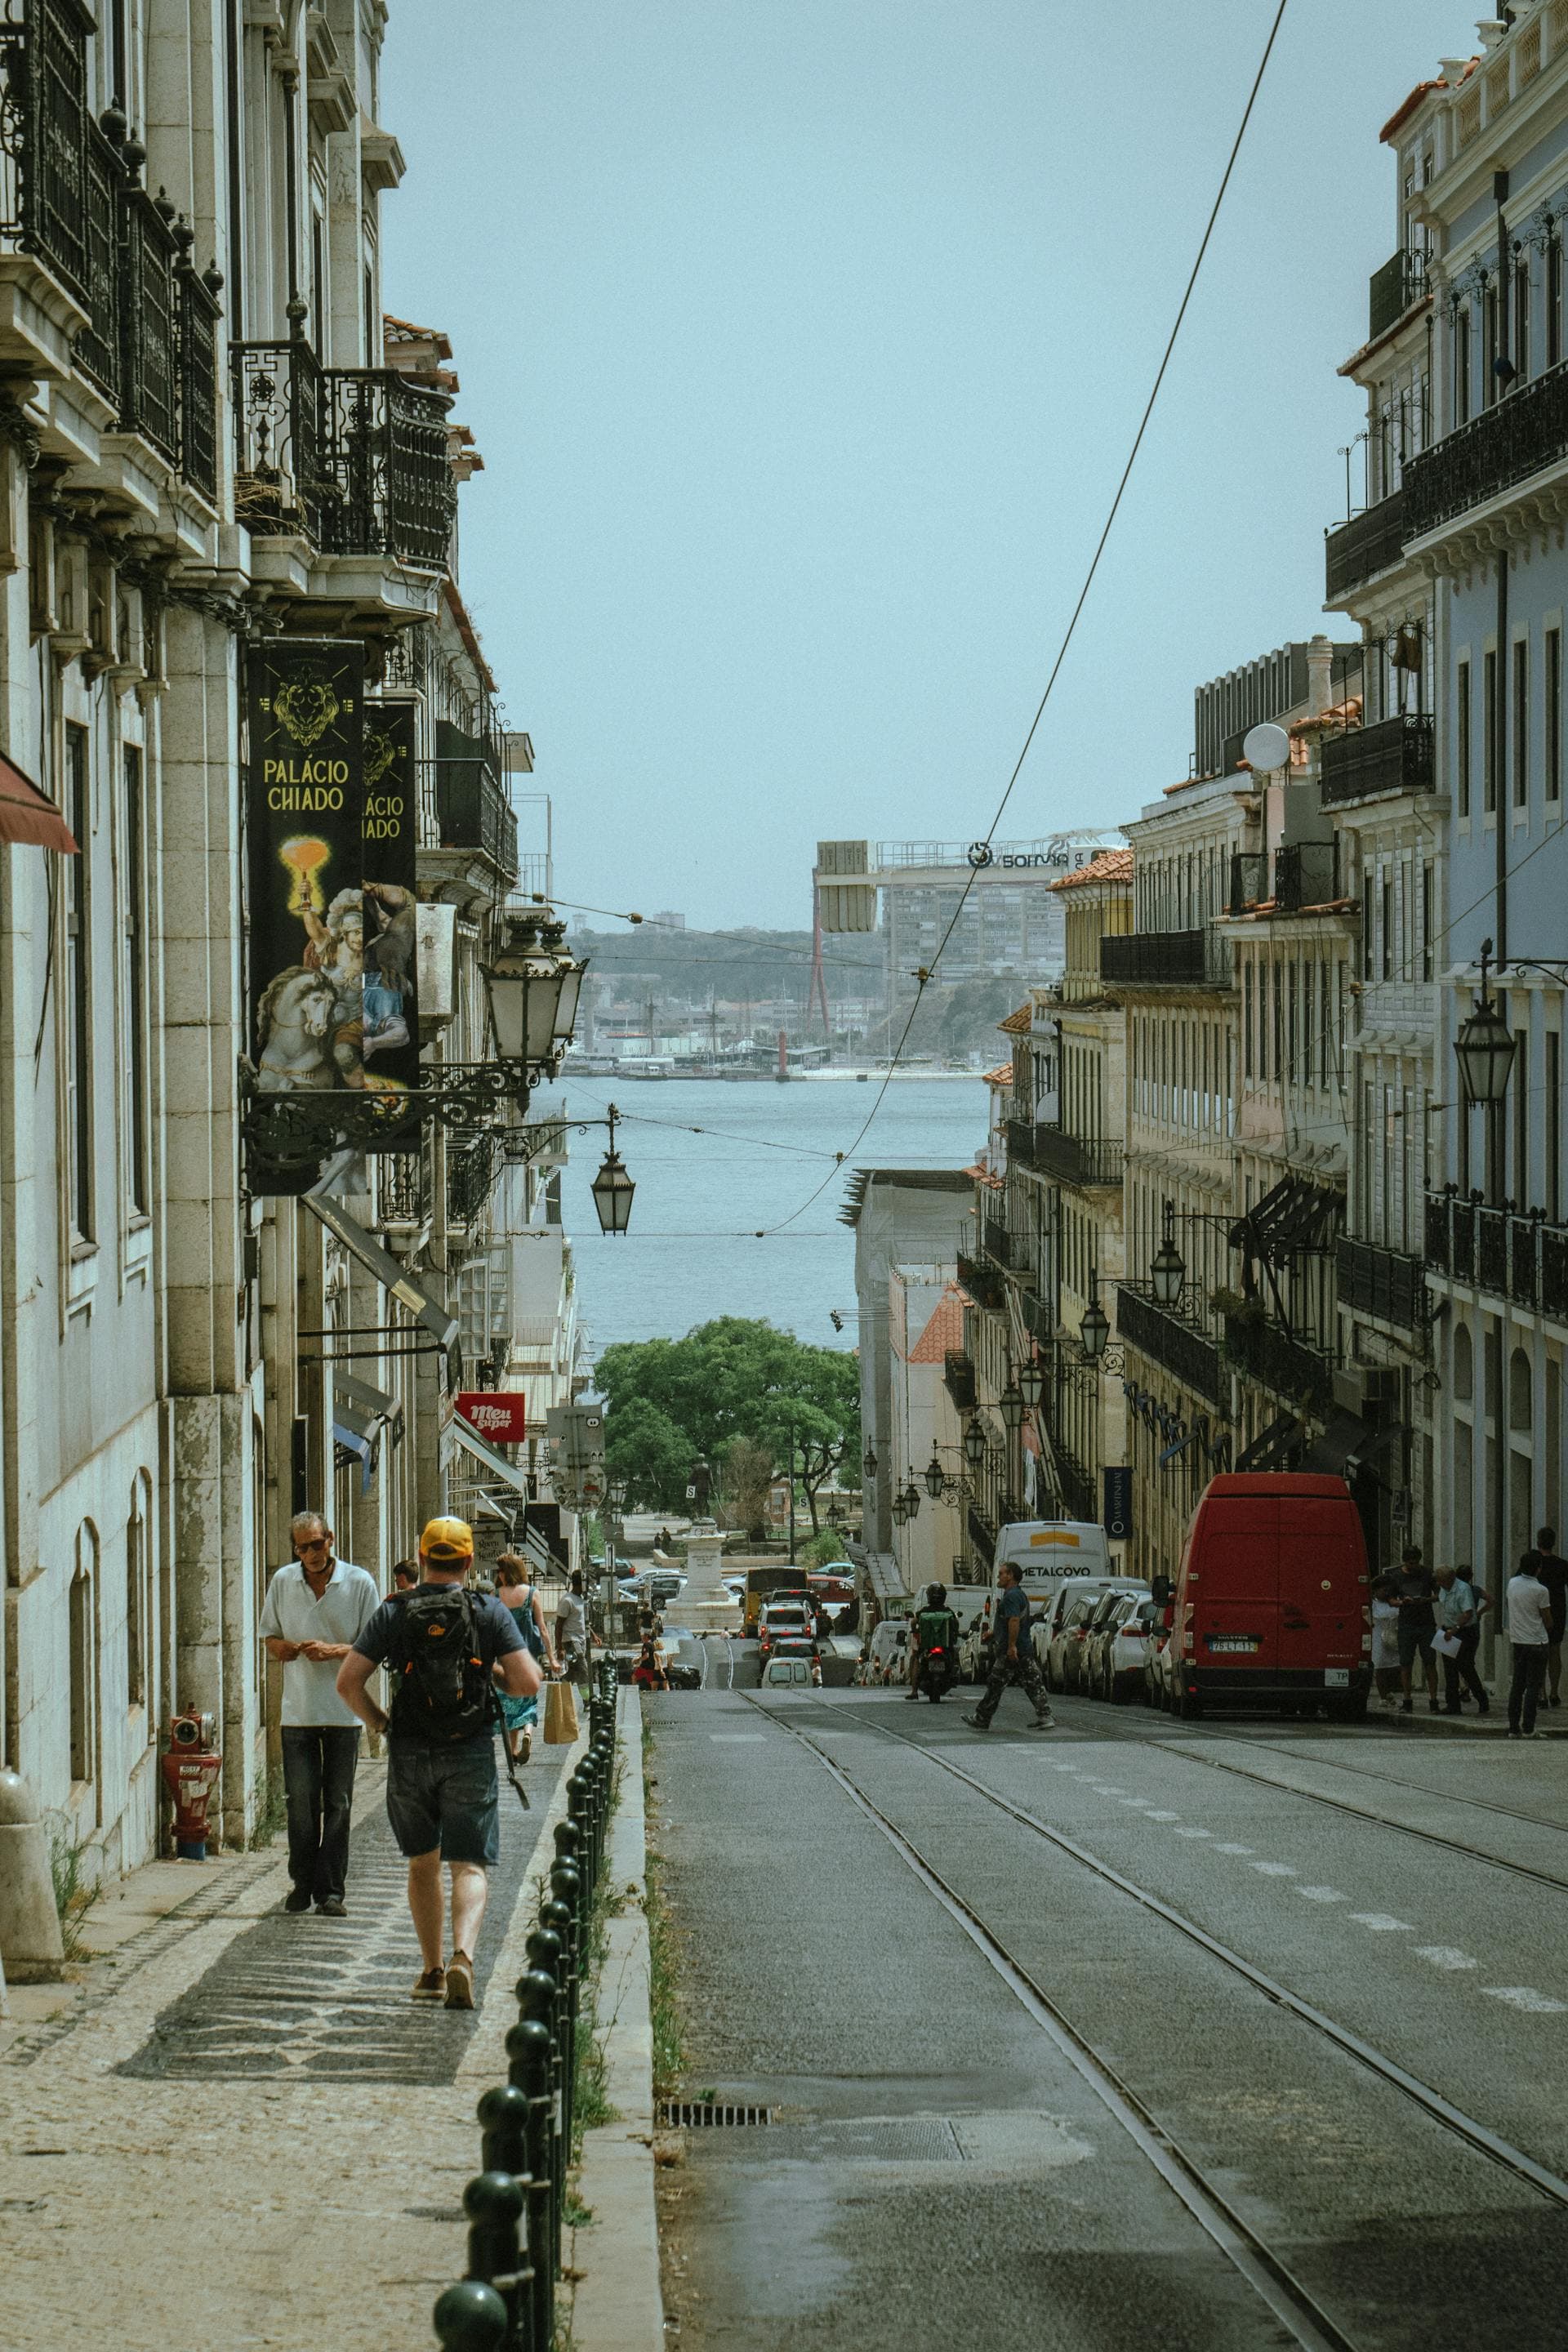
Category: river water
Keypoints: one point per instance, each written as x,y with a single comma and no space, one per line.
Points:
692,1252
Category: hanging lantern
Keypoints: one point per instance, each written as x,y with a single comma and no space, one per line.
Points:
1012,1407
936,1477
974,1447
1093,1332
1032,1384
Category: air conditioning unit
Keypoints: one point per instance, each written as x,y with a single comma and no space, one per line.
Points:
1372,1390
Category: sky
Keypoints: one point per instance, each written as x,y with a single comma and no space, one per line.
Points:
805,341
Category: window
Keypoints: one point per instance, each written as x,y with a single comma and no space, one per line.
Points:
1368,943
1520,722
1488,733
1462,367
1551,717
1385,931
1521,322
134,1071
1520,1188
1462,731
78,989
1428,917
1553,1117
1248,1014
83,1653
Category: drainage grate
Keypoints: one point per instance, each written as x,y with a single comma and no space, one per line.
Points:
701,2114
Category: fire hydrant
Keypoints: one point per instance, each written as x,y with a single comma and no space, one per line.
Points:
191,1769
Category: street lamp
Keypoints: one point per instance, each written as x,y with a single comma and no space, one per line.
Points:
869,1461
1012,1404
900,1509
612,1188
1485,1046
1167,1267
974,1446
1032,1383
912,1499
935,1477
534,983
1094,1328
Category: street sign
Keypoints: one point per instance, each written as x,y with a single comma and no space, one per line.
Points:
499,1416
1116,1514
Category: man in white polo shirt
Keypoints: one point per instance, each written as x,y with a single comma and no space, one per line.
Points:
316,1608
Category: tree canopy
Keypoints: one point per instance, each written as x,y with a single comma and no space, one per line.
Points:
668,1401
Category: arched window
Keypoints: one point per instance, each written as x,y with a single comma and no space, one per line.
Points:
139,1621
83,1631
1521,1398
1463,1363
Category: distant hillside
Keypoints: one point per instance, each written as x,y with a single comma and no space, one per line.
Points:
743,966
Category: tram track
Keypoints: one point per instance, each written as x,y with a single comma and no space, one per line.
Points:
1393,1780
1288,2300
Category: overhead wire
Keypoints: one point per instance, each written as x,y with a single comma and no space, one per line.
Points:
924,975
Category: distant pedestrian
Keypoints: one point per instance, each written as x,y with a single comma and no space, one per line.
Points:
572,1631
1529,1634
405,1576
1459,1613
1415,1592
1385,1640
1013,1658
648,1673
447,1648
514,1592
1551,1571
316,1606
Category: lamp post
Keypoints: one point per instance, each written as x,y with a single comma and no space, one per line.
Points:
1167,1267
612,1188
1094,1331
1484,1049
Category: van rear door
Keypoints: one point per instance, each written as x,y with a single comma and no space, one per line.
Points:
1320,1589
1233,1583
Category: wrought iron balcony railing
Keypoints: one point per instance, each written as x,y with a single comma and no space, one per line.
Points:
1249,880
998,1241
1199,959
1394,288
1293,1369
1382,1282
1504,445
1359,549
402,1188
466,808
981,1280
1085,1160
471,1168
1307,873
958,1378
1168,1339
982,1534
44,125
1393,755
352,458
1514,1255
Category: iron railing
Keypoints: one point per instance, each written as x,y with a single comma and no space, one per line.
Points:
1306,874
1393,755
1293,1369
470,810
982,1534
1075,1483
1249,880
471,1168
402,1188
277,424
43,124
998,1241
1393,289
1167,1338
1166,959
98,346
149,326
1526,430
1514,1255
352,458
198,372
1382,1282
1359,549
958,1378
982,1281
1086,1160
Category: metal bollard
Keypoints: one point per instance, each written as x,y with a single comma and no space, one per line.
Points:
470,2317
528,2068
547,1952
494,2203
537,1995
569,1855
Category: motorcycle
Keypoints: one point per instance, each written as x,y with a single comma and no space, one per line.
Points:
939,1672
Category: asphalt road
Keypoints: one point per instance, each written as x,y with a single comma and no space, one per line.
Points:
945,2161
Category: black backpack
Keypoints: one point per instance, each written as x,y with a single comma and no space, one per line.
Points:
443,1692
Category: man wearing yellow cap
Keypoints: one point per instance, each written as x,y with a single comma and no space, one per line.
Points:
446,1649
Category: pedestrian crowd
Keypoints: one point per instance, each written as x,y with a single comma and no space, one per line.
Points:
1421,1617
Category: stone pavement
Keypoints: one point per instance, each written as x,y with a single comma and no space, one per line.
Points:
235,2129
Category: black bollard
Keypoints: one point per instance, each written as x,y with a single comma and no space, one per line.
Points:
503,2122
470,2317
547,1953
527,2049
494,2203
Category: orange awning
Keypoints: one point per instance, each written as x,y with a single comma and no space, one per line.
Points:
28,815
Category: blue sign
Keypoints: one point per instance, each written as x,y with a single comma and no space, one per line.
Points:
1116,1513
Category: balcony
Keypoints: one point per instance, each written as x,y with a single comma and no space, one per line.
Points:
1077,1485
466,808
983,1282
1527,430
1086,1161
1294,1370
1359,549
1393,755
1166,959
1514,1255
1306,874
1184,1350
998,1241
982,1534
1394,288
471,1167
354,459
403,1189
1381,1282
958,1378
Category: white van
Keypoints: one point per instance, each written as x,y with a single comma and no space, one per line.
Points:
1046,1550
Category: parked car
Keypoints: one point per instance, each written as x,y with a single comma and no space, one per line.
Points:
1065,1648
655,1586
1271,1607
1119,1645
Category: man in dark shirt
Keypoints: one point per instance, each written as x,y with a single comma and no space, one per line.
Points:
1013,1658
1545,1565
441,1796
1415,1592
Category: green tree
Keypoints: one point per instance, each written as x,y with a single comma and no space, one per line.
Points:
644,1447
729,1378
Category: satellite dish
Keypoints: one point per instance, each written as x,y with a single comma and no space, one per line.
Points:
1266,746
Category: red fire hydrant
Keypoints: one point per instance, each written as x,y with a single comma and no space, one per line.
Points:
191,1769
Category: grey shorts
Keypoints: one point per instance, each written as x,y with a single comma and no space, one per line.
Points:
446,1797
1414,1638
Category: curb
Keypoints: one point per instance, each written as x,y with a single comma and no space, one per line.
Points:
617,2304
484,2061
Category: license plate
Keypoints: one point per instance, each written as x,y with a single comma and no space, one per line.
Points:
1234,1642
1337,1678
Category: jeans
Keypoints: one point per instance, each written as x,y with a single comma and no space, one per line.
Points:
1023,1670
319,1762
1524,1690
1459,1674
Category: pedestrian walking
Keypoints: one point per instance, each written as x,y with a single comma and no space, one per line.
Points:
1415,1592
1457,1606
405,1576
1013,1658
316,1606
572,1631
447,1648
1385,1640
1551,1571
513,1590
1529,1606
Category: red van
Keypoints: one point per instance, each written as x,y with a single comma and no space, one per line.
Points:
1271,1607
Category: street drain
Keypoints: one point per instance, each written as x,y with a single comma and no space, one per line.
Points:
703,2114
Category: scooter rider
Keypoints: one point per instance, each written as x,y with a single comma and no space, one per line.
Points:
936,1628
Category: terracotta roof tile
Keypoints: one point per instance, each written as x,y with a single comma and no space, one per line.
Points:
945,1331
1111,865
1002,1076
1017,1023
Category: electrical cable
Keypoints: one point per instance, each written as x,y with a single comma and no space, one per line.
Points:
924,975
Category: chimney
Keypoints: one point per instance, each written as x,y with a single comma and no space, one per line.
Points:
1320,673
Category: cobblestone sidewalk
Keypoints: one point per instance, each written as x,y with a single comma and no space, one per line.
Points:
237,2129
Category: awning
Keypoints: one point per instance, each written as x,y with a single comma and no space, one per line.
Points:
28,815
1345,1433
368,1401
496,1464
1268,1449
361,1435
393,1277
1295,1217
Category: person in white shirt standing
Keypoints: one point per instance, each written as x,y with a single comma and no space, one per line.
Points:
1529,1633
316,1608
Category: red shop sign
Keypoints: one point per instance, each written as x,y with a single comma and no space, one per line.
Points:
499,1417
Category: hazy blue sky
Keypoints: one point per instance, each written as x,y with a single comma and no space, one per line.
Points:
804,340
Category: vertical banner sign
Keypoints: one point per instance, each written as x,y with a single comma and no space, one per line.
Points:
307,910
1117,1491
390,1043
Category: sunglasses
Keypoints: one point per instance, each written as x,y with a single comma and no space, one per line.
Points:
313,1543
